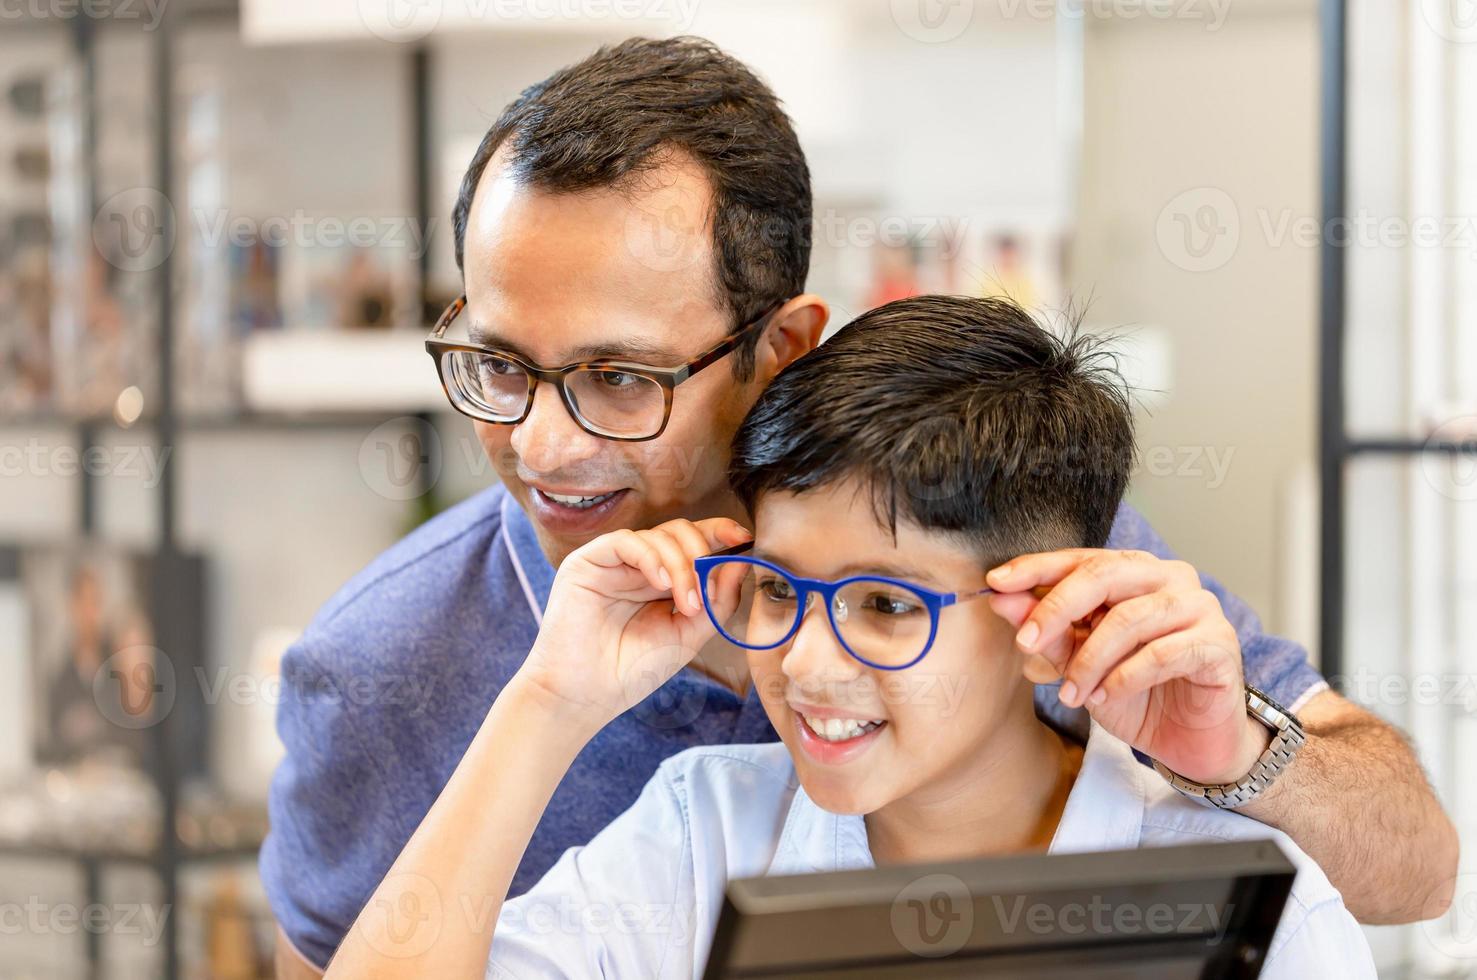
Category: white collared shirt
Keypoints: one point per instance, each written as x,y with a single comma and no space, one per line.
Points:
641,900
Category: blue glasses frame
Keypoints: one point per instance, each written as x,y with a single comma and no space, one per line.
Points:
933,601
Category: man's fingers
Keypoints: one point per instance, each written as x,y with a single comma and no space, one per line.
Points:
1205,660
1106,578
1123,629
1013,607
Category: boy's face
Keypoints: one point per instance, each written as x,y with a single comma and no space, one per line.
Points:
936,716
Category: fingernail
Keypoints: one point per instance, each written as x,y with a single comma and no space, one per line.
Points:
664,578
1068,694
1027,637
1002,572
694,600
1098,697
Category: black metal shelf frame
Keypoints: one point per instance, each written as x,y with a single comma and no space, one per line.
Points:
175,568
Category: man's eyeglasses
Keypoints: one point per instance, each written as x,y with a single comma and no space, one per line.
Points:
608,398
885,623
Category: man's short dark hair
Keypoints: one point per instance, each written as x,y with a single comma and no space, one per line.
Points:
959,415
622,111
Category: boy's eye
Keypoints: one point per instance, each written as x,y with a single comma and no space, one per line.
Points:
776,589
890,604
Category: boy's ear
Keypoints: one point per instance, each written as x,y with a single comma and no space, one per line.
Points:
795,331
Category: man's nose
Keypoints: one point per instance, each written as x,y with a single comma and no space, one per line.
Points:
549,439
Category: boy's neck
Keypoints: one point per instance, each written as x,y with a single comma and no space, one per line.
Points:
1009,800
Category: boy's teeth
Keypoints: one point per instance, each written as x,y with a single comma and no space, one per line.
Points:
838,729
577,501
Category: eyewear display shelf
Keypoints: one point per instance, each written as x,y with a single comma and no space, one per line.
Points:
177,745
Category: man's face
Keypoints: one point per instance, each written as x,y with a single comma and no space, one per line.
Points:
560,278
928,724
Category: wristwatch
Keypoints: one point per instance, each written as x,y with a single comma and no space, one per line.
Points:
1287,737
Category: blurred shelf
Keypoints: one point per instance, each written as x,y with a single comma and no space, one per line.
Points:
227,421
57,852
1408,447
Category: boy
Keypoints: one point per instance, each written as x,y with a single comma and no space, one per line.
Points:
928,441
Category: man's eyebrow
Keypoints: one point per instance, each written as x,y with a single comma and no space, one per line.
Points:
641,349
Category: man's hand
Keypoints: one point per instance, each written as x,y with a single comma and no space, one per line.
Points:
1144,647
1149,653
606,641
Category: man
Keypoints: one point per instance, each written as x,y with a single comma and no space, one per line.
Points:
651,205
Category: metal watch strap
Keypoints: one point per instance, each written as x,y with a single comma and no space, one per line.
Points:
1287,738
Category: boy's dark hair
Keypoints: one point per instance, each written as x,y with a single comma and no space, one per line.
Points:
603,122
960,415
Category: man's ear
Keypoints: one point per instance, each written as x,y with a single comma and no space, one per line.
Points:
795,330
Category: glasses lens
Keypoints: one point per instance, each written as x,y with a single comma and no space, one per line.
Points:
617,403
486,385
882,622
754,606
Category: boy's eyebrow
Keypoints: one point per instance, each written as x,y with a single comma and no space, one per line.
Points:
858,568
637,348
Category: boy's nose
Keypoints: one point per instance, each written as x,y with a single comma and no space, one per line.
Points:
815,653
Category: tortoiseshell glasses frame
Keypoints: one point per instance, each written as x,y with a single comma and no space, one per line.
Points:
465,392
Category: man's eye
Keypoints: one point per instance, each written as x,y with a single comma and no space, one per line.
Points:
499,366
617,379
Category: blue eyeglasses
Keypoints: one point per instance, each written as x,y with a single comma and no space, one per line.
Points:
885,623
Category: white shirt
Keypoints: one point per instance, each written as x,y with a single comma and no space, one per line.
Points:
641,900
